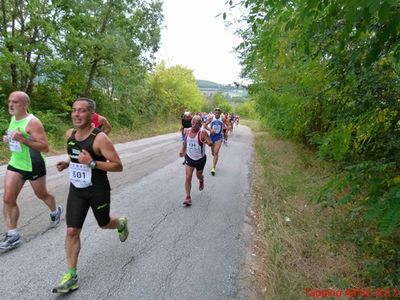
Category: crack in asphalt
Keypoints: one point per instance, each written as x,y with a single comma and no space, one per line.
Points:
147,247
178,256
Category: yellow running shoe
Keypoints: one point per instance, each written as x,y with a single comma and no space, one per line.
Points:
123,232
68,283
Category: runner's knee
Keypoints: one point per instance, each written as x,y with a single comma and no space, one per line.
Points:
9,199
72,232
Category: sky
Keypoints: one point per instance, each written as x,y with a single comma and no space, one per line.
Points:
196,39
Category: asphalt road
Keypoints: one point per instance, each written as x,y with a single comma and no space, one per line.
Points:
173,252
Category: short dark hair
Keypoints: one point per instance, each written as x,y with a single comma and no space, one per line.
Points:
91,103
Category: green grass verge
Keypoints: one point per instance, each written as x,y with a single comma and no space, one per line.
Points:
298,253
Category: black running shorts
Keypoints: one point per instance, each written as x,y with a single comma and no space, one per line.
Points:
26,175
79,201
197,164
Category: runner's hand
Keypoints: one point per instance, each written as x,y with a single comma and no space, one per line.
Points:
85,157
61,165
17,136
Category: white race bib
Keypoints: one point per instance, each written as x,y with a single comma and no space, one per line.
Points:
14,145
80,175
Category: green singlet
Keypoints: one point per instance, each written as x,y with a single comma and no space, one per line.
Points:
22,157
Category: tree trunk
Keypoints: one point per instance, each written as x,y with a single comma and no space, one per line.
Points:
97,59
13,67
29,88
91,77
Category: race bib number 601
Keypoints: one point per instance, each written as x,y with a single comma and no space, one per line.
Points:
80,175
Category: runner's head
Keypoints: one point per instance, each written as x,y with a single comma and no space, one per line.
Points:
18,103
91,103
217,112
196,123
82,111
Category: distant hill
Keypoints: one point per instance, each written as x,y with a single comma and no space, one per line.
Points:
209,88
208,84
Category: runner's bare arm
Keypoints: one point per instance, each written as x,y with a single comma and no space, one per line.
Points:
182,153
104,146
106,125
38,140
206,126
205,138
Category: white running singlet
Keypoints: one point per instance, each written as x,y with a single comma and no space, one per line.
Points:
194,147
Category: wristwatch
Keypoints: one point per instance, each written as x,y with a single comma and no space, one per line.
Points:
92,164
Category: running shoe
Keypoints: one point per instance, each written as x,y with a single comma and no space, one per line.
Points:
201,185
213,171
10,242
68,283
124,232
188,201
56,219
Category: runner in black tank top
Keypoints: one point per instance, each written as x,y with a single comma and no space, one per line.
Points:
74,147
91,156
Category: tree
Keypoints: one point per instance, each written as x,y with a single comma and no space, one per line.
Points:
327,72
110,40
26,31
173,90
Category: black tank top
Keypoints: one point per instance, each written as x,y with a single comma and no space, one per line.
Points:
74,147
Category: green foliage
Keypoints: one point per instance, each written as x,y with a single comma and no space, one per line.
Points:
247,110
47,98
77,48
58,51
4,119
336,142
172,91
52,122
55,126
221,101
327,73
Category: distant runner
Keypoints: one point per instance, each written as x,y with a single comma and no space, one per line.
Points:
215,125
231,121
227,128
101,123
186,121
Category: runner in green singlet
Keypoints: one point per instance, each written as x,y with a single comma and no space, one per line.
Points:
27,140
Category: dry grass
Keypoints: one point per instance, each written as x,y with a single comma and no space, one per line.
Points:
295,254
